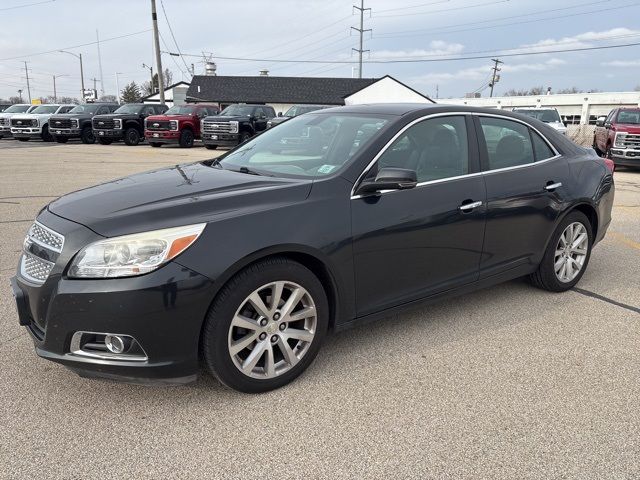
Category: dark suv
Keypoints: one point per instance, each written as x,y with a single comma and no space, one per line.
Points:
126,123
77,123
235,124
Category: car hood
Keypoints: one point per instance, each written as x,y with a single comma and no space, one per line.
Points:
11,115
71,115
116,115
29,116
229,118
628,128
164,118
174,196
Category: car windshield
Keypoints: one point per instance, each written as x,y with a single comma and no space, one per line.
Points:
180,110
630,117
131,108
84,109
310,146
299,110
237,110
546,116
17,109
45,109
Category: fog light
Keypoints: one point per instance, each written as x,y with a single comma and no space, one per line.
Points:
114,343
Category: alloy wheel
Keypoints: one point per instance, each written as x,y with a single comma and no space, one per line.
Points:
272,330
571,252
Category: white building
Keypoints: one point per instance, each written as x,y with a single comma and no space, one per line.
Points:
173,95
575,108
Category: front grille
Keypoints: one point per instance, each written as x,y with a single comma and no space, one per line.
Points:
34,268
5,122
17,122
104,124
218,127
629,140
60,123
159,125
45,237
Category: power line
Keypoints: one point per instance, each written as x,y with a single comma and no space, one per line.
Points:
494,2
166,17
412,6
26,5
73,46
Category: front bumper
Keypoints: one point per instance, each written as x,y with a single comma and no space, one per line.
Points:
162,136
5,132
163,311
26,132
221,139
66,132
111,134
625,157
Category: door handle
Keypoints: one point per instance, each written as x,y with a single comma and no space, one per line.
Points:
551,187
467,207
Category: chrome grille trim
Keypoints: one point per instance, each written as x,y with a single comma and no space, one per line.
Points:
35,269
45,237
214,127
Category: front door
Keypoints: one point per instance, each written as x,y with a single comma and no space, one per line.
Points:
410,244
526,187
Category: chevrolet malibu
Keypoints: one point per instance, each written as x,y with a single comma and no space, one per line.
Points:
244,262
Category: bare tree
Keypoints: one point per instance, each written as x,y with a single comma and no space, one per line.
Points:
167,78
108,98
15,99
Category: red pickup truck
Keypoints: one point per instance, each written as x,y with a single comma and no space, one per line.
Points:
617,136
178,125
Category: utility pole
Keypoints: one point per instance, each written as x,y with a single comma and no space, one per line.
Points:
156,41
118,87
361,30
55,94
496,77
100,65
144,65
26,70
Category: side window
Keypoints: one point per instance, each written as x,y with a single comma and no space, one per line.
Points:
102,110
610,116
436,148
259,112
541,148
148,110
65,109
508,143
271,112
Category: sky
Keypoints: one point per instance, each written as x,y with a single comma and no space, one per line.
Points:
236,34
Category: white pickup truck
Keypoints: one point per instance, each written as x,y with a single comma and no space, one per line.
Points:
35,124
5,117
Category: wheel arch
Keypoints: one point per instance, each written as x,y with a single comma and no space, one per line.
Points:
584,207
133,124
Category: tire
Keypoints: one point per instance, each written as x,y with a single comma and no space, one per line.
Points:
210,147
186,138
595,147
221,328
24,139
155,144
244,136
87,136
61,139
131,137
546,277
104,141
46,136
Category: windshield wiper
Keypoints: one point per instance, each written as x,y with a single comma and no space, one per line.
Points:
248,171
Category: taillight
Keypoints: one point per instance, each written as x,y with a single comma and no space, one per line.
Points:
610,164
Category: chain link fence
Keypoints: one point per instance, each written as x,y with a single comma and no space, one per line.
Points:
581,134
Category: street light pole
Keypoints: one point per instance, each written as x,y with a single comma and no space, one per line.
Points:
144,65
20,93
78,56
55,94
118,87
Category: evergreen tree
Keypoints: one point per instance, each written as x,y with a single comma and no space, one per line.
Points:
131,93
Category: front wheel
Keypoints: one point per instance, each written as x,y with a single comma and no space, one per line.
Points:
87,136
186,138
46,136
132,137
244,136
567,254
266,326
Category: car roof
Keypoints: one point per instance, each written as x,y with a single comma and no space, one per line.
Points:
400,109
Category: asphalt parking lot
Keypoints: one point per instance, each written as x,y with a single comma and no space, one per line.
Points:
508,382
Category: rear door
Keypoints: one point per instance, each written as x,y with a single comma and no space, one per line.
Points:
409,244
526,183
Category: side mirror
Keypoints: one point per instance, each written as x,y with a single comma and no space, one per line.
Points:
600,121
389,178
279,114
607,125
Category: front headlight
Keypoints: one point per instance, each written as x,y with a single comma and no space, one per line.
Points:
135,254
117,123
75,123
233,127
620,138
173,125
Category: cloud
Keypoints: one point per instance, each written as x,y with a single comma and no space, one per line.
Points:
436,47
622,63
582,40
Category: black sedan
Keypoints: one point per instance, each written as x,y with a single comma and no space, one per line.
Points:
336,217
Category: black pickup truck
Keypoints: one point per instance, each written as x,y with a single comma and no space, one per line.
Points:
235,124
77,122
126,123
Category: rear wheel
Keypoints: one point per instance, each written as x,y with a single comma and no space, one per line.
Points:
104,141
61,139
567,254
132,137
266,326
186,138
87,136
211,147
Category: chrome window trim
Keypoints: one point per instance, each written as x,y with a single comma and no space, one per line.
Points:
468,175
42,244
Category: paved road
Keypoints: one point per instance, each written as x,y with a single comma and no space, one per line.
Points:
508,382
